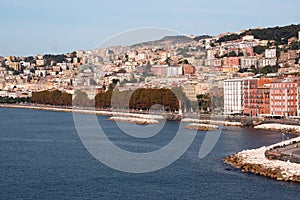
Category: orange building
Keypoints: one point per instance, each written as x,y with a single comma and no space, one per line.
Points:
250,96
188,69
264,95
256,96
231,62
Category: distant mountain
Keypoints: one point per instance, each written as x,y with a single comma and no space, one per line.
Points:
279,34
167,40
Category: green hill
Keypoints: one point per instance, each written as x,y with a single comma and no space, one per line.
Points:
279,34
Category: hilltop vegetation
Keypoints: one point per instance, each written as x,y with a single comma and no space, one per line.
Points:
167,40
279,34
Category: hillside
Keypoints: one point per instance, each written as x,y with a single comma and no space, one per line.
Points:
279,34
166,41
201,37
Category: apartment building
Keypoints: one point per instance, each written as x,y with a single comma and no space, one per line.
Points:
283,97
233,96
257,96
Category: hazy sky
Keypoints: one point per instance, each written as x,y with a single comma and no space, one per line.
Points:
29,27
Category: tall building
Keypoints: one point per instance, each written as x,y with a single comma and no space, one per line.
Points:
264,95
283,97
250,96
256,96
233,96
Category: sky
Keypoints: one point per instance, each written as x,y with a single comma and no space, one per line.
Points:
59,26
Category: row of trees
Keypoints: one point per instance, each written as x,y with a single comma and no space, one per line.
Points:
12,100
55,97
141,99
145,98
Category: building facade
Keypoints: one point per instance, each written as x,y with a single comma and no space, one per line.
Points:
283,97
233,96
270,53
250,96
257,96
247,62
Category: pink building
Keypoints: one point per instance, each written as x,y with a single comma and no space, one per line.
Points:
249,51
159,70
231,62
283,97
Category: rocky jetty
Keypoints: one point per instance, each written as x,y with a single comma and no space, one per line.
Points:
254,161
214,122
280,127
202,127
134,120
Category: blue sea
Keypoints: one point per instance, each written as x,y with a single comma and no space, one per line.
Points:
42,157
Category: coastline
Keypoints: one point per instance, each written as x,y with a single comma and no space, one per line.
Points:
84,111
186,117
55,109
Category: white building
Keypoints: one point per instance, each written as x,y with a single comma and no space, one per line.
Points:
248,37
8,94
210,53
266,61
141,56
40,62
247,62
3,93
174,71
270,53
233,96
40,72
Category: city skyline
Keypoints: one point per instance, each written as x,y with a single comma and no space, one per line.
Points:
32,27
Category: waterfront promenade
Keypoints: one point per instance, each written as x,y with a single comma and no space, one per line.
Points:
290,152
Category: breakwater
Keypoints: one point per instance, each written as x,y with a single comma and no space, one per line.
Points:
294,129
255,161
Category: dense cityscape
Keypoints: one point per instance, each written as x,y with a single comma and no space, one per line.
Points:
150,100
253,72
